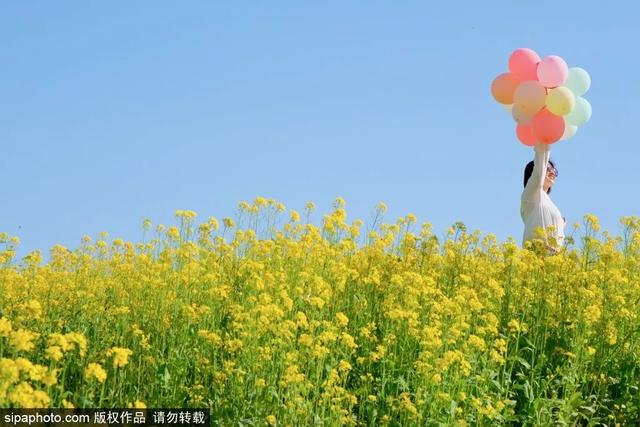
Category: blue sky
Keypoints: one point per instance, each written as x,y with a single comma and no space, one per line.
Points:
112,112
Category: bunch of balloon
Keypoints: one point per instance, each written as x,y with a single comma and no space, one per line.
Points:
544,96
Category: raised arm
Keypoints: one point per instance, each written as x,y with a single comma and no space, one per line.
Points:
536,181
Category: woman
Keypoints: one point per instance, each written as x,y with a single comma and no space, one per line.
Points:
536,207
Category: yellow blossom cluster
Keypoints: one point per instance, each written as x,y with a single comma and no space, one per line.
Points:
268,318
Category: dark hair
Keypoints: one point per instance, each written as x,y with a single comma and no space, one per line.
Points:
528,170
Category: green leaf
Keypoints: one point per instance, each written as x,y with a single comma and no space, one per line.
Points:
523,362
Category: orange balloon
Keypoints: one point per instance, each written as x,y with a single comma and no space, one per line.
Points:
525,135
503,88
547,127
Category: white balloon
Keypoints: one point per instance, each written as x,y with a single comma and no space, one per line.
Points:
569,131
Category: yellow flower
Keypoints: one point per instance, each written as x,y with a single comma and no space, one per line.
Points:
59,340
187,215
137,404
173,233
23,364
271,420
501,345
344,366
320,351
611,334
35,372
516,326
94,370
301,320
54,353
292,375
294,216
497,357
476,342
23,395
228,222
592,221
212,337
79,340
213,223
348,341
342,319
120,356
9,372
50,378
5,327
592,313
40,399
34,308
22,340
406,404
379,353
317,302
305,339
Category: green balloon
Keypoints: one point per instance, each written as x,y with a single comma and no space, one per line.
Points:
578,81
580,114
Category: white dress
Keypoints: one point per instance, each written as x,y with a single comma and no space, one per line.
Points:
536,207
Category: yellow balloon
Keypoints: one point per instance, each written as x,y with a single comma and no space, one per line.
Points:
560,101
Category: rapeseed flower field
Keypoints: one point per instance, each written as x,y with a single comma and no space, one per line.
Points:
268,319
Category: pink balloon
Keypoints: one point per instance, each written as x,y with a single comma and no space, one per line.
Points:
547,127
552,71
525,135
523,64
